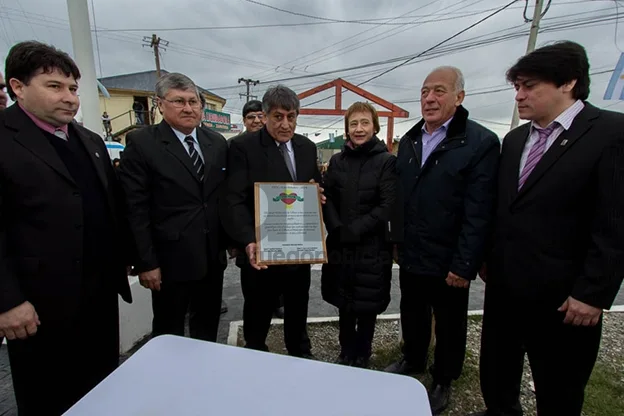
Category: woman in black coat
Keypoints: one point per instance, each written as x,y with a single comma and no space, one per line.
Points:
360,186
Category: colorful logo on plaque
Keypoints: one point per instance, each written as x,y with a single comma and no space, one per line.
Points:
288,198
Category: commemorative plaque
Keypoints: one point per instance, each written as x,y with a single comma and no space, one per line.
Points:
289,223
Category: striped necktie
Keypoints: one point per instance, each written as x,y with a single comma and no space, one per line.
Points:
535,154
197,161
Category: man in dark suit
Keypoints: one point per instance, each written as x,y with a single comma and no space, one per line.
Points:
61,227
273,154
172,174
447,167
556,255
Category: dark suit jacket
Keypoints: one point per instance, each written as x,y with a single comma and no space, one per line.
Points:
254,157
562,234
41,235
173,217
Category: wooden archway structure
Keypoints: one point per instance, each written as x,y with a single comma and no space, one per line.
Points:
391,111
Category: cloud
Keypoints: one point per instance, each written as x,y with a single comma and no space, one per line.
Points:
217,58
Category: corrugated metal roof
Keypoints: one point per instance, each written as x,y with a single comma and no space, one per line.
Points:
139,81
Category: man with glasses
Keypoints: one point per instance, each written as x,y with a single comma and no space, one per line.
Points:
253,117
172,174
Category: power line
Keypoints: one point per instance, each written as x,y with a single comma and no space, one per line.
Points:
374,38
453,47
427,50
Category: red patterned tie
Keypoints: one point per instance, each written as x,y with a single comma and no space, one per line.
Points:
536,153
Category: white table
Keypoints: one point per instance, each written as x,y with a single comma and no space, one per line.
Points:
180,376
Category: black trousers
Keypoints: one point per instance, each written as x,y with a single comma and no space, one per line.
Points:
561,356
261,289
200,298
356,333
56,367
422,296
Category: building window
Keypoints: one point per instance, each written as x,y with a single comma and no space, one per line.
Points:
211,106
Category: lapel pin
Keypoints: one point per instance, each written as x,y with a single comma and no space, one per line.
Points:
97,154
564,142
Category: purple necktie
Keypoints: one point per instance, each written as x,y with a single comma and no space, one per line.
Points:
536,153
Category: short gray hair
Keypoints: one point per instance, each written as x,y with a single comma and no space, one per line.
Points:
174,81
459,77
280,96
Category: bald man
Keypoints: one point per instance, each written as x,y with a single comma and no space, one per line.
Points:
447,166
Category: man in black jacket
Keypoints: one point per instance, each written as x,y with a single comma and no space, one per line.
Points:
173,174
273,154
447,168
556,259
61,212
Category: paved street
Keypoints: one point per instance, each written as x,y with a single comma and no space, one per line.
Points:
233,296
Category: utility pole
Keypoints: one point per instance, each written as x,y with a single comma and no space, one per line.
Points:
155,43
537,16
248,82
78,12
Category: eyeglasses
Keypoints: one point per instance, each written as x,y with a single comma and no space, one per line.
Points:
180,103
252,117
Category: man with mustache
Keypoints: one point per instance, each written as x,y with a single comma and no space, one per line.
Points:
61,211
173,175
447,167
272,154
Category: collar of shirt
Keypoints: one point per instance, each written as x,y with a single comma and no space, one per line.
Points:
566,118
44,125
442,128
288,145
181,136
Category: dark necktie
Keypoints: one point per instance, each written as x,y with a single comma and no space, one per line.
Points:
197,161
284,151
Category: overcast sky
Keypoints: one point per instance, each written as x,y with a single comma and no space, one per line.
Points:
215,59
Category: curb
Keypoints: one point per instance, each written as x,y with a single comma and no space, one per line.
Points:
235,325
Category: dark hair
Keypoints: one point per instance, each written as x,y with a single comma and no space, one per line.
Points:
202,99
26,59
252,106
558,63
282,97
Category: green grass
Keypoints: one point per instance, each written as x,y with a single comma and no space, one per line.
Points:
604,394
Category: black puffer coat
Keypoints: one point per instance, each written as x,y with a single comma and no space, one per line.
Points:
360,186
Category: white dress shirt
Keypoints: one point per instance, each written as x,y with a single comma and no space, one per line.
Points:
291,153
564,121
181,136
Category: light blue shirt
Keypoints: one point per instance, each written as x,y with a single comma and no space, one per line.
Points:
431,141
181,136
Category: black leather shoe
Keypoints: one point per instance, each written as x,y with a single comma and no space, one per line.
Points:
224,307
402,367
279,312
343,359
439,397
478,414
361,362
308,356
